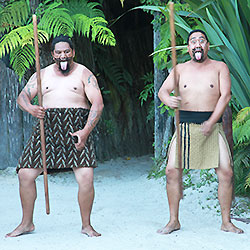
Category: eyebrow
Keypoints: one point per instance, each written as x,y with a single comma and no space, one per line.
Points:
60,50
196,37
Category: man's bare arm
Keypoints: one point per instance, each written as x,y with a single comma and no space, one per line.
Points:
225,96
93,94
166,89
25,97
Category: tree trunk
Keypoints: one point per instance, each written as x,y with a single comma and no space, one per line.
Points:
13,136
163,127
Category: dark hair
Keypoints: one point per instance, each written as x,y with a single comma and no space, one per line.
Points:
59,39
197,30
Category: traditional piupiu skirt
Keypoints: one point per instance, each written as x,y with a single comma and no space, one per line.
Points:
197,150
61,152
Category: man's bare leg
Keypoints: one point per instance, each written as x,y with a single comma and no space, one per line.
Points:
84,178
27,189
225,189
173,193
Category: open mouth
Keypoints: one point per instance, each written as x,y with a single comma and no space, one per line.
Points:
63,65
198,54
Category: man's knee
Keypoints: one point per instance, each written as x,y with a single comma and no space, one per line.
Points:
26,175
84,176
172,174
225,174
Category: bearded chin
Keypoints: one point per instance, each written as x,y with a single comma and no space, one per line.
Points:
64,71
201,58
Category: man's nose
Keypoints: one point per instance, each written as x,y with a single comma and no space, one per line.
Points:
197,44
62,55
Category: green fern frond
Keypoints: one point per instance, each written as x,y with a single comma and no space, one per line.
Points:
22,59
103,35
244,133
56,22
83,7
83,24
13,39
241,126
94,26
243,115
242,156
20,37
13,15
43,37
247,184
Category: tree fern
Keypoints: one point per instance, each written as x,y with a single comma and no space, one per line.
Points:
56,17
13,15
17,37
22,58
89,9
56,22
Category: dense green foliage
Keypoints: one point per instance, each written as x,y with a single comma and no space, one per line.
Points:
55,17
241,138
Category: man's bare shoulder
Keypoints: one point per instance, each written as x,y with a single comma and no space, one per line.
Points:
182,66
219,64
81,67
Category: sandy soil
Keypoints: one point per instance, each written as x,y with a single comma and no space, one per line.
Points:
128,209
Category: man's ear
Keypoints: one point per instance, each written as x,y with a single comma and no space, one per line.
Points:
73,53
52,55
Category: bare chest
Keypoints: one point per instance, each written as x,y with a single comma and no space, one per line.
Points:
62,85
199,84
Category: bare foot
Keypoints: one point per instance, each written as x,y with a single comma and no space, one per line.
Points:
169,228
89,231
20,230
230,227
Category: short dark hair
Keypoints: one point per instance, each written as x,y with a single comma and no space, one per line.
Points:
197,30
59,39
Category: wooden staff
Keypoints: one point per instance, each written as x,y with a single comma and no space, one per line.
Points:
40,101
176,91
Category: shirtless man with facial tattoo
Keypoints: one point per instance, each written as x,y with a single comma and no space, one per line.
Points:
72,106
205,90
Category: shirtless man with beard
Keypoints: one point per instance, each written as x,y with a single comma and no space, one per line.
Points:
67,90
205,90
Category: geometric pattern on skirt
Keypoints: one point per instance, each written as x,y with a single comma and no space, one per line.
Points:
197,150
60,149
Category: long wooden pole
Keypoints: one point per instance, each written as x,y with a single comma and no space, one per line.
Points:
177,115
40,101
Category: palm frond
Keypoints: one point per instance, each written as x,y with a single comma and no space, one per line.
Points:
13,15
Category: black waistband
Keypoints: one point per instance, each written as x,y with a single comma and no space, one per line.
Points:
195,116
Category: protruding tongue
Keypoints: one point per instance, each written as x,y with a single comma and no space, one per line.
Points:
63,65
198,56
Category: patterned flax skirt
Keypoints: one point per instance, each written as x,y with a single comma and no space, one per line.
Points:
60,149
199,151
